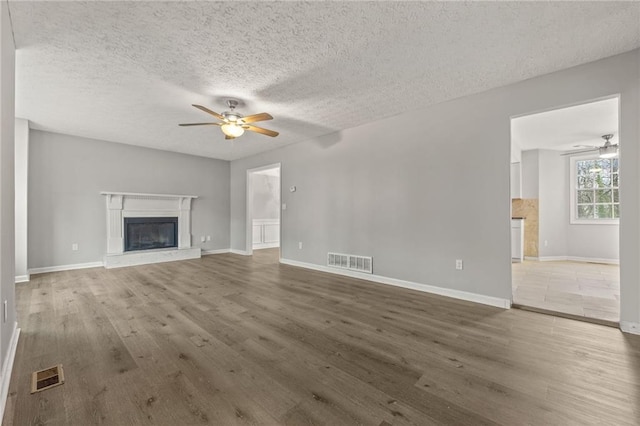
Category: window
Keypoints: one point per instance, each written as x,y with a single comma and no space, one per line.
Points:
595,184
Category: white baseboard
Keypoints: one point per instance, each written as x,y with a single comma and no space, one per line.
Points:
531,258
551,258
216,251
456,294
7,368
630,327
265,246
241,252
23,278
594,260
65,267
580,259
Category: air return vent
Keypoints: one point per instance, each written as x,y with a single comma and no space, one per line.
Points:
351,262
47,378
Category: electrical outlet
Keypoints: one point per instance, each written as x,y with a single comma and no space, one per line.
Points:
459,264
74,246
202,239
546,243
300,245
208,237
284,206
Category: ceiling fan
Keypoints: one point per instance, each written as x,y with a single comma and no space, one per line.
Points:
608,150
233,123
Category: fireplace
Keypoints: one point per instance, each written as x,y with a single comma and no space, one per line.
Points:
147,233
148,228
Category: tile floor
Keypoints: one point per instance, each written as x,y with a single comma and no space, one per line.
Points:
591,290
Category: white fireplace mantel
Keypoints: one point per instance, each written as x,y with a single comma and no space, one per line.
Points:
129,204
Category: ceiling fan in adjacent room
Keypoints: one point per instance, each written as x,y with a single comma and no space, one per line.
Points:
233,123
608,150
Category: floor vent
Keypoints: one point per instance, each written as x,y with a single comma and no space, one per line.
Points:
351,262
47,378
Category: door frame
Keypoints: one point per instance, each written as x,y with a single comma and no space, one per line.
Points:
249,207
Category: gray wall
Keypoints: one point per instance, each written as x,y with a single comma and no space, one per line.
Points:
414,197
266,196
7,198
418,196
67,173
553,204
21,189
563,238
530,174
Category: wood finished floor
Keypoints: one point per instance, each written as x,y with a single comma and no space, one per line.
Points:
589,290
228,339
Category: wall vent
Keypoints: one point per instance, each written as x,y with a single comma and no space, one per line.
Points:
351,262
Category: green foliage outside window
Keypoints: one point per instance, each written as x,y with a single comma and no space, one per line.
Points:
597,189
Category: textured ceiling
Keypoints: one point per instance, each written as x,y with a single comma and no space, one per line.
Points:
128,71
563,129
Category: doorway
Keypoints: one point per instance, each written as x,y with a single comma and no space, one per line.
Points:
565,209
263,208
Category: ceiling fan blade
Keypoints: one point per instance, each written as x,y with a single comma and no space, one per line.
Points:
580,152
208,111
228,137
200,124
261,131
263,116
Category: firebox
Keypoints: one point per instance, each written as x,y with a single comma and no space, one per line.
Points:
147,233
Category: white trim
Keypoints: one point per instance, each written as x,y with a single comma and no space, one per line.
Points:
139,194
7,368
248,225
551,258
456,294
124,205
263,225
580,259
266,221
23,278
265,246
241,252
531,258
630,327
594,260
65,267
216,251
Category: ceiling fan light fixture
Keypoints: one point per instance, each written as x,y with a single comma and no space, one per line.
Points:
233,124
232,130
608,151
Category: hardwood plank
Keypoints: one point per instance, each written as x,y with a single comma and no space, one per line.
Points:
228,339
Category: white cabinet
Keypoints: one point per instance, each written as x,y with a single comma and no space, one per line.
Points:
516,180
517,240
